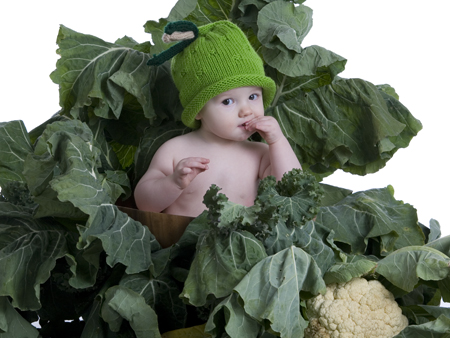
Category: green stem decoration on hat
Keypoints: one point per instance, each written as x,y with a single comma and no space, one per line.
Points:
184,31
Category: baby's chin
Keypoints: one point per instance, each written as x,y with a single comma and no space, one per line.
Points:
246,131
247,135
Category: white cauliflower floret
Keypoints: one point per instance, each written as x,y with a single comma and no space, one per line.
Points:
356,309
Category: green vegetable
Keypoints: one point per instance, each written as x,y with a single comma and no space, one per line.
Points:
72,260
16,192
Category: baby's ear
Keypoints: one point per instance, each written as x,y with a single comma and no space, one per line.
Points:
198,117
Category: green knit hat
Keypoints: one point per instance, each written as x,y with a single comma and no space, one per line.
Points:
217,57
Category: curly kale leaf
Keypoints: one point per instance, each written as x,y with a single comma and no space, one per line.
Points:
279,206
297,196
225,216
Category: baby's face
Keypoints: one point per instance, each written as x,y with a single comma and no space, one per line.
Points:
226,114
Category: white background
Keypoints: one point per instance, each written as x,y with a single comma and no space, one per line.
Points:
402,43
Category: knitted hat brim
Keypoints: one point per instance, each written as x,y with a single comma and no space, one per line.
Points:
193,108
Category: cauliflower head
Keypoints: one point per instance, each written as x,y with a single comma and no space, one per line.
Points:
355,309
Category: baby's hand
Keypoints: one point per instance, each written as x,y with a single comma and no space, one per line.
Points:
267,127
187,169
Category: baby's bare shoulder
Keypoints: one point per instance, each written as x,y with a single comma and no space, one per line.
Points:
177,142
168,150
180,139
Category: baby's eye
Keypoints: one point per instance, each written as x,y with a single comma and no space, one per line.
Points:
227,102
253,97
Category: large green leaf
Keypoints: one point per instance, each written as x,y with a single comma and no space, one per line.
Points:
37,131
14,147
82,56
134,76
77,179
281,28
123,303
436,311
237,322
165,94
435,231
50,206
282,23
95,326
29,249
186,245
70,172
92,72
108,157
65,126
12,324
372,215
124,240
271,290
219,264
208,11
442,244
406,266
312,68
346,124
313,239
84,264
243,5
67,162
439,328
42,166
355,266
333,195
279,236
161,293
401,114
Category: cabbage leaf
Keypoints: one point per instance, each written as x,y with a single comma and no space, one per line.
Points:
14,147
271,290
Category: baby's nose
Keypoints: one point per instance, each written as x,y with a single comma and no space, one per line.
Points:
245,111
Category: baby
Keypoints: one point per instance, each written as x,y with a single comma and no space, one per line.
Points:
224,91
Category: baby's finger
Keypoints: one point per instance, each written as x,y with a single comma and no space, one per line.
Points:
264,126
257,120
186,171
203,160
189,161
197,160
192,163
267,127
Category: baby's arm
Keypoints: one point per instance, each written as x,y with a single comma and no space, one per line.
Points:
162,184
281,157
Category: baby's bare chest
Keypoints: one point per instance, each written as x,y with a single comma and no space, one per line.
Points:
236,173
